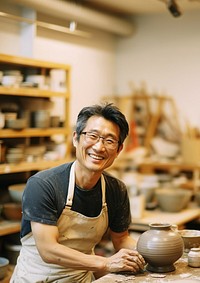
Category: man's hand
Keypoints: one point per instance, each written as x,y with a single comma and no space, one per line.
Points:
125,260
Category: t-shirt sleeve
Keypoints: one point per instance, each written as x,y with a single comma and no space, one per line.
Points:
39,202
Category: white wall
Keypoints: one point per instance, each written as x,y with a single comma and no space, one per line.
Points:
165,53
92,62
9,32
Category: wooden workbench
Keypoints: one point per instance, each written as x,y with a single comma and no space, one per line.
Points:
182,272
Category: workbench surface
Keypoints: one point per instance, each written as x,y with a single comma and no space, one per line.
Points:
183,272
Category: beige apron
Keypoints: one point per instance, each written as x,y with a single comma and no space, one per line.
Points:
76,231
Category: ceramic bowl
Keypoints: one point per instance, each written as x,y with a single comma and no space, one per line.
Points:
11,80
191,238
37,79
4,262
12,211
16,124
16,192
14,157
15,150
173,199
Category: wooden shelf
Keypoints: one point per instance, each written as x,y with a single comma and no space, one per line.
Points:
30,166
188,214
23,61
149,166
33,92
32,132
9,227
23,95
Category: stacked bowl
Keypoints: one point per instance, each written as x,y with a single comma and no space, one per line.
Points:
173,199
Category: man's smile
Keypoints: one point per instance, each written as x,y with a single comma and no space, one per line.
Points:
98,157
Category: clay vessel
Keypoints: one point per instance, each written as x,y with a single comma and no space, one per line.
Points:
161,246
194,257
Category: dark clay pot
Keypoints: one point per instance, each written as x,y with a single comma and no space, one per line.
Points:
161,247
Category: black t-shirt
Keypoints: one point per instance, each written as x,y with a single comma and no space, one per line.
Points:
45,196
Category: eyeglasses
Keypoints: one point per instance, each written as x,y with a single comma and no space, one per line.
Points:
93,138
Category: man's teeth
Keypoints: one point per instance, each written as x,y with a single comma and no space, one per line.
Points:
96,156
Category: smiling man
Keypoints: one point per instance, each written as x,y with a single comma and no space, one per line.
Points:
67,209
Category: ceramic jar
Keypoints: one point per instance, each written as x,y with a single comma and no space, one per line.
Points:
194,257
161,246
41,119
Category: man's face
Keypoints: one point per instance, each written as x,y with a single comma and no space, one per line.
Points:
97,156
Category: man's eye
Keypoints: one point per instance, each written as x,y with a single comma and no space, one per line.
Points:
93,136
109,141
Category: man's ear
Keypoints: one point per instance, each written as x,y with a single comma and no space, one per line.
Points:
74,139
120,149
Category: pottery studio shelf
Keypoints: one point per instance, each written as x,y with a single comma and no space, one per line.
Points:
30,166
188,214
9,227
149,167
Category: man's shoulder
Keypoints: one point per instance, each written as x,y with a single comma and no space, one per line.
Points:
113,182
65,167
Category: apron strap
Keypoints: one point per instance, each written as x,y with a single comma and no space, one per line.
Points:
103,187
70,194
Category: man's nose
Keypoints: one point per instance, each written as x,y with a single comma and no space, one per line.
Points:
100,143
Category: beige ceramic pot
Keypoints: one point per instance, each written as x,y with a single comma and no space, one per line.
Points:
161,247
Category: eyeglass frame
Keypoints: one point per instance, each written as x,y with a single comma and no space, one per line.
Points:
115,142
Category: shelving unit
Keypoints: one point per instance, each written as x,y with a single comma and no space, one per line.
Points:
30,166
6,133
9,227
145,112
26,66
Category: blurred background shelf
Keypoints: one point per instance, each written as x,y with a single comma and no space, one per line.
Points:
33,92
32,132
9,227
188,214
30,166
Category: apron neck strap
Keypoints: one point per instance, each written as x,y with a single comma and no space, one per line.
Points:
71,187
70,193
